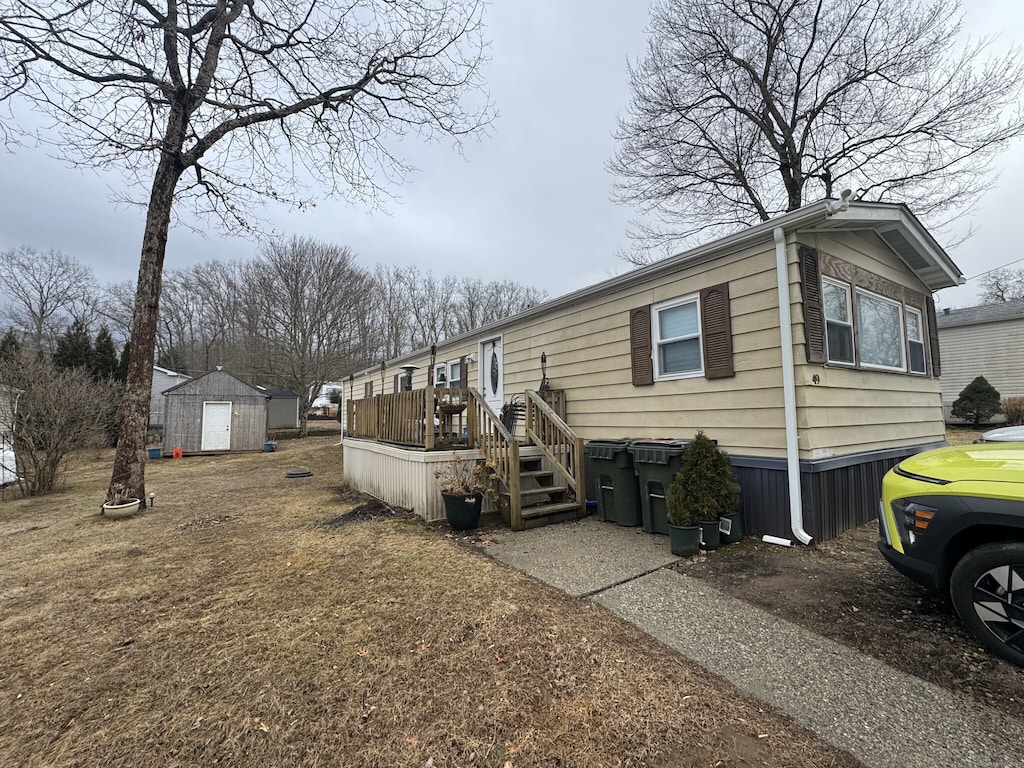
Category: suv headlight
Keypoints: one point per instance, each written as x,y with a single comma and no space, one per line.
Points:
912,519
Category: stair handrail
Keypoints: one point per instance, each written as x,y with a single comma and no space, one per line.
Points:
557,440
499,449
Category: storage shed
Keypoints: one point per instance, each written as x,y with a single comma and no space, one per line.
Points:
215,413
283,408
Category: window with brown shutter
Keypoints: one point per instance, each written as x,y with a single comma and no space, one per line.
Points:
716,326
367,389
640,346
814,321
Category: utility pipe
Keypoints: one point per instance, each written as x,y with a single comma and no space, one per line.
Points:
796,514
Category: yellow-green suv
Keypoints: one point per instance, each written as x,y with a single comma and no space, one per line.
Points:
953,519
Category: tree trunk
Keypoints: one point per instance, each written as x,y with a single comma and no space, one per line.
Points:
129,458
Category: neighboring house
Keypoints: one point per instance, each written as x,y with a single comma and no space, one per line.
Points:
283,409
806,346
163,379
215,412
982,341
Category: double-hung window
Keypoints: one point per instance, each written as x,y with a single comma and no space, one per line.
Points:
838,322
915,341
677,342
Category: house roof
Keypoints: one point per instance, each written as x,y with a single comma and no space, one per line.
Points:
894,223
986,313
169,372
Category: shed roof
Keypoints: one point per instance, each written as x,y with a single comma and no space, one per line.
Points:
985,313
280,394
197,383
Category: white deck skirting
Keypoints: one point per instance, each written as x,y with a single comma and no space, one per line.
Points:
399,476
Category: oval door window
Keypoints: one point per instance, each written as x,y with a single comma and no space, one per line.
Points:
494,371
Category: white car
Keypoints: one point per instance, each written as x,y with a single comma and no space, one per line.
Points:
1002,435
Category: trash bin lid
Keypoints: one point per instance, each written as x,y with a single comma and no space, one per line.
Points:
606,449
657,450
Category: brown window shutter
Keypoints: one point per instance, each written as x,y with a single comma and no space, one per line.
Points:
398,382
716,329
814,316
640,346
933,337
463,381
367,389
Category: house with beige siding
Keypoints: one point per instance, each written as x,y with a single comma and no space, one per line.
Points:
806,346
982,341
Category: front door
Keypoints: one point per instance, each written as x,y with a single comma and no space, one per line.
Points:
216,427
491,374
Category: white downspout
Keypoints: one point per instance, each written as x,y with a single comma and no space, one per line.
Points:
796,515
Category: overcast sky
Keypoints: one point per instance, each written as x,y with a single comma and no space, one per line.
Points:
528,202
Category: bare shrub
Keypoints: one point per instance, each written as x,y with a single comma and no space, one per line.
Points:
49,412
1013,409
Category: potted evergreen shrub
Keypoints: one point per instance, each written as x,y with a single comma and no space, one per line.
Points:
683,531
708,490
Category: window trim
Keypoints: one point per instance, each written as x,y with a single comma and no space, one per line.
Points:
657,342
847,289
901,323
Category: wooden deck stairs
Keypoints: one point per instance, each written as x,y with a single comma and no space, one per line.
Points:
540,501
539,476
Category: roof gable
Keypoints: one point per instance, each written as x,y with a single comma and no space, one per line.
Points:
211,381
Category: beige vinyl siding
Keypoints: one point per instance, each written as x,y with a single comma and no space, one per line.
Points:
992,350
852,410
588,356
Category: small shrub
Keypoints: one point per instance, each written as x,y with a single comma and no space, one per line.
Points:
1013,409
978,402
705,486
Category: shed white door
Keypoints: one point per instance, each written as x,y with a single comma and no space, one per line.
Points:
216,426
492,373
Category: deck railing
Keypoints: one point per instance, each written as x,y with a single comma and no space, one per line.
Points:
461,418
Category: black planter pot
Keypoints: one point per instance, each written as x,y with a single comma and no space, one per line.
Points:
735,526
462,510
684,540
709,536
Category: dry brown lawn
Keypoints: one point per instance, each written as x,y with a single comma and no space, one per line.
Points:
227,626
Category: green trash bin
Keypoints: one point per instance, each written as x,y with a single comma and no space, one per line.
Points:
618,497
656,463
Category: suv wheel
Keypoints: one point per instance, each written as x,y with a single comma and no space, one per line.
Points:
987,587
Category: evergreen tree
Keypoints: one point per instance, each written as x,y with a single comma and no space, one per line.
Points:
9,345
74,348
705,486
104,356
978,402
122,366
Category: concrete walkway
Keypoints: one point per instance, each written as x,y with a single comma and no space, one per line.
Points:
881,716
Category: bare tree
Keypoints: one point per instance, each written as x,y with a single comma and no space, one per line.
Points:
388,328
1002,285
45,433
45,292
216,105
743,109
478,303
307,294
